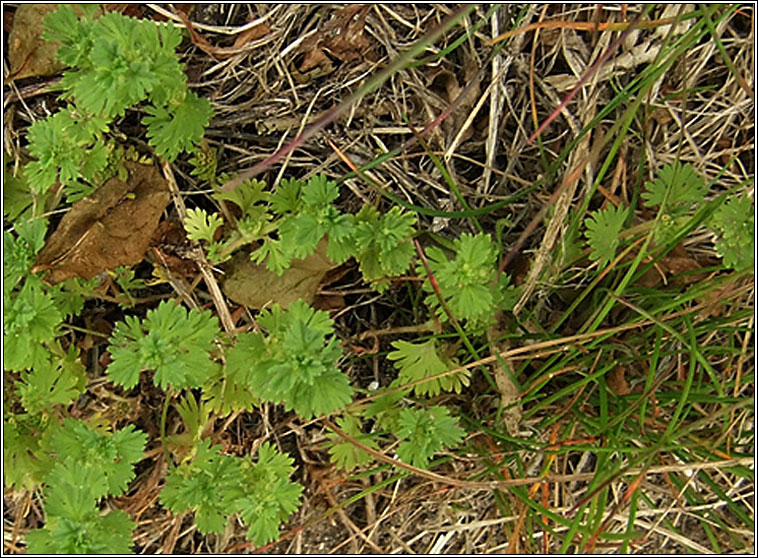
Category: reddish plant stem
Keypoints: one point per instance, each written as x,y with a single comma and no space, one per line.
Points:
335,112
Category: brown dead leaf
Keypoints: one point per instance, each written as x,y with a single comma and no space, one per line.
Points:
250,35
218,52
110,228
136,503
674,265
256,287
446,85
172,249
345,38
29,54
131,10
616,381
342,37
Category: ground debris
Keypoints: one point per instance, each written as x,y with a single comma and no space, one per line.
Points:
108,229
257,287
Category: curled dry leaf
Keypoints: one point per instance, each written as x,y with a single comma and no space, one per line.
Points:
171,248
677,265
108,229
616,380
256,287
218,52
342,37
445,84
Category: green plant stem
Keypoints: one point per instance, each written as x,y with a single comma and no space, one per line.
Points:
164,415
445,174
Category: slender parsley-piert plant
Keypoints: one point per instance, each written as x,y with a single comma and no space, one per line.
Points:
89,465
468,281
295,362
216,486
676,193
173,342
118,62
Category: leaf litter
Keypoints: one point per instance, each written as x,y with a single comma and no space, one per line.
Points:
110,228
255,286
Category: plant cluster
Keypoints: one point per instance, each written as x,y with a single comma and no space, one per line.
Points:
88,465
292,357
215,485
289,223
118,62
677,192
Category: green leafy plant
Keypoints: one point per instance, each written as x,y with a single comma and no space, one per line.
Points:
176,344
426,432
215,486
125,278
19,251
67,147
304,212
295,363
603,228
733,223
676,188
119,62
109,455
291,221
54,381
89,465
17,192
676,191
25,436
201,226
312,216
125,78
32,320
74,523
250,196
347,455
383,243
468,283
417,361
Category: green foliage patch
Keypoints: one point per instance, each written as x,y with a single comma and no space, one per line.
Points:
214,486
295,357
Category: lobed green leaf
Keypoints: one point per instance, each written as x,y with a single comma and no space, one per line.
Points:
295,364
426,432
416,361
173,342
603,228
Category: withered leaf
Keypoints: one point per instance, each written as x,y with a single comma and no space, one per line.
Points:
345,36
616,381
29,54
108,229
445,84
222,53
342,37
256,287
